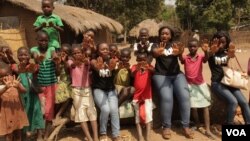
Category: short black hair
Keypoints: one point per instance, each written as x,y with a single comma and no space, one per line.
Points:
42,32
22,48
143,29
192,40
113,45
76,46
66,45
89,30
125,50
51,2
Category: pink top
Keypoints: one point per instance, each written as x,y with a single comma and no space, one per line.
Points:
193,69
80,75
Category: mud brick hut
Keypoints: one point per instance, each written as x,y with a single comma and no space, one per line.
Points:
17,18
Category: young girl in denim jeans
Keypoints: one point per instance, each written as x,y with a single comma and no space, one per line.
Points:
104,91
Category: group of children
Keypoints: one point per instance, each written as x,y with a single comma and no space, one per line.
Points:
90,75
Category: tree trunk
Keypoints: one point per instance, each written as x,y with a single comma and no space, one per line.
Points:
125,37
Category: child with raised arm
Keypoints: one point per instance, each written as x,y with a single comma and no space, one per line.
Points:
30,99
81,92
12,115
143,46
6,55
199,93
45,57
122,77
50,23
142,99
104,92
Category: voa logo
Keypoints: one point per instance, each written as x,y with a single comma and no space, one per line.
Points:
236,132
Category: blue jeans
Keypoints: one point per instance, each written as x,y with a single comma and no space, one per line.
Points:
167,86
233,97
107,102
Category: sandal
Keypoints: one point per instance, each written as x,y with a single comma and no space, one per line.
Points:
166,133
188,133
103,138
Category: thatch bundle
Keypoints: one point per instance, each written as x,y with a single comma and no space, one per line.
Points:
14,38
3,42
78,19
150,24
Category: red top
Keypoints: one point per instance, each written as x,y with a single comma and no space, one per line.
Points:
142,84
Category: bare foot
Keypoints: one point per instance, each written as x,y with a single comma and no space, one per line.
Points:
140,138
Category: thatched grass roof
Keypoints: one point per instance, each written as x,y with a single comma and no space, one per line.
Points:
3,42
150,24
78,19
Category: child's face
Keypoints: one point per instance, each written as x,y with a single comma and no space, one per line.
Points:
103,50
4,72
65,50
125,56
193,47
89,35
143,37
42,41
113,50
165,35
76,53
47,7
23,56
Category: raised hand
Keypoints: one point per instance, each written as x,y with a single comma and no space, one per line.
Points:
56,59
31,67
51,24
231,50
44,24
142,65
161,48
112,64
178,48
7,80
16,82
99,63
64,56
205,45
214,46
124,65
40,58
91,44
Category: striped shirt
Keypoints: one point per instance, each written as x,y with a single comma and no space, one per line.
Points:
47,69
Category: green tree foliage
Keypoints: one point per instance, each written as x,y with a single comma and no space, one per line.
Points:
127,12
215,14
